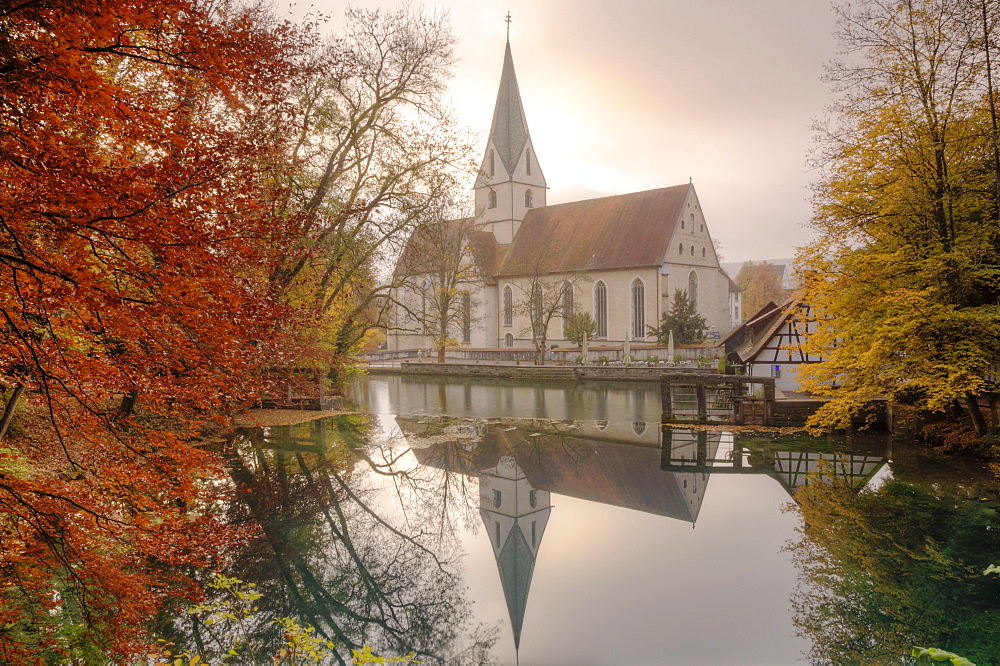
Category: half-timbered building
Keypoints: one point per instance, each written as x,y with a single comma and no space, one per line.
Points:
769,344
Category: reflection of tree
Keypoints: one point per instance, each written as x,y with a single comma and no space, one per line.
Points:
882,570
326,555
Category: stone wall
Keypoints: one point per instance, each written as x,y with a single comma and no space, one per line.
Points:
638,373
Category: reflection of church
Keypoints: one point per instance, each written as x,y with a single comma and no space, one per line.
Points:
520,469
514,515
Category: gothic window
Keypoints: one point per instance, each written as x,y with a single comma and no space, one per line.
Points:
702,252
508,340
638,309
529,199
567,305
491,199
693,289
466,318
692,221
537,314
508,306
682,223
533,498
680,248
601,309
496,498
527,161
692,250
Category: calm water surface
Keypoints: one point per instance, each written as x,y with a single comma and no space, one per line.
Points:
560,524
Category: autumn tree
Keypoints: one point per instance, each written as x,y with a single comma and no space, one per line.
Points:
683,319
903,277
135,242
761,285
439,273
375,153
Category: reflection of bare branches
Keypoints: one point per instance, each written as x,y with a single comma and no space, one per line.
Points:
328,556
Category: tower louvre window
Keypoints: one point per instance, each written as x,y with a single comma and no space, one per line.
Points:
529,199
527,161
491,199
491,164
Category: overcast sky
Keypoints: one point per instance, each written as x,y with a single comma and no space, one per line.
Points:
638,94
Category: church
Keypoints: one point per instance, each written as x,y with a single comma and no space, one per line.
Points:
620,258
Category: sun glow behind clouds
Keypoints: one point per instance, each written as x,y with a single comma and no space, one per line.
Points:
637,95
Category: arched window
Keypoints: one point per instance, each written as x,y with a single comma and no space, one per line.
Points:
508,340
703,252
638,309
693,289
680,248
601,309
491,199
508,306
567,305
692,250
529,199
537,313
527,161
466,318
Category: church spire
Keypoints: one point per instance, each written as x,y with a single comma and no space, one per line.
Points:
510,180
509,131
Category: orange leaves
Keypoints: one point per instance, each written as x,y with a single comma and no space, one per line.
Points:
135,241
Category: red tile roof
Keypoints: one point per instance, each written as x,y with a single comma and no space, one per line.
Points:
624,231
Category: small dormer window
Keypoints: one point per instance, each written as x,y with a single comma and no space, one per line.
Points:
529,199
527,161
491,199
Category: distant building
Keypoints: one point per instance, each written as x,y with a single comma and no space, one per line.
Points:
620,258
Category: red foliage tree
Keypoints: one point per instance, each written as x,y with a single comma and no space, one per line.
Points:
136,238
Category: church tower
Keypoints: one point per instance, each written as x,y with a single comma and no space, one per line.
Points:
510,180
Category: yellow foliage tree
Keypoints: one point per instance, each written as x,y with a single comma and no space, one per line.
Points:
903,278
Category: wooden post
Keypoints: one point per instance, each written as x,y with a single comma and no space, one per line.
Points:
702,448
768,402
702,402
666,401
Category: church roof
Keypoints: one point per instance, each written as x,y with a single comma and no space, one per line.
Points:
624,231
509,131
430,244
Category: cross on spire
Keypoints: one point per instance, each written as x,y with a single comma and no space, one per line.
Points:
508,26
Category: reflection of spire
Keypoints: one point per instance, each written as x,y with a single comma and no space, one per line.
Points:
514,514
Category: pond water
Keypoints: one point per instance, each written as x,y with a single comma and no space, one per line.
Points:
494,522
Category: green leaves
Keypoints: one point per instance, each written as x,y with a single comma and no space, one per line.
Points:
934,654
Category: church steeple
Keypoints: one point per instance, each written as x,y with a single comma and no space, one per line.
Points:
510,180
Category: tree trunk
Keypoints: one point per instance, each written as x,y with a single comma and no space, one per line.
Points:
8,412
441,354
978,422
